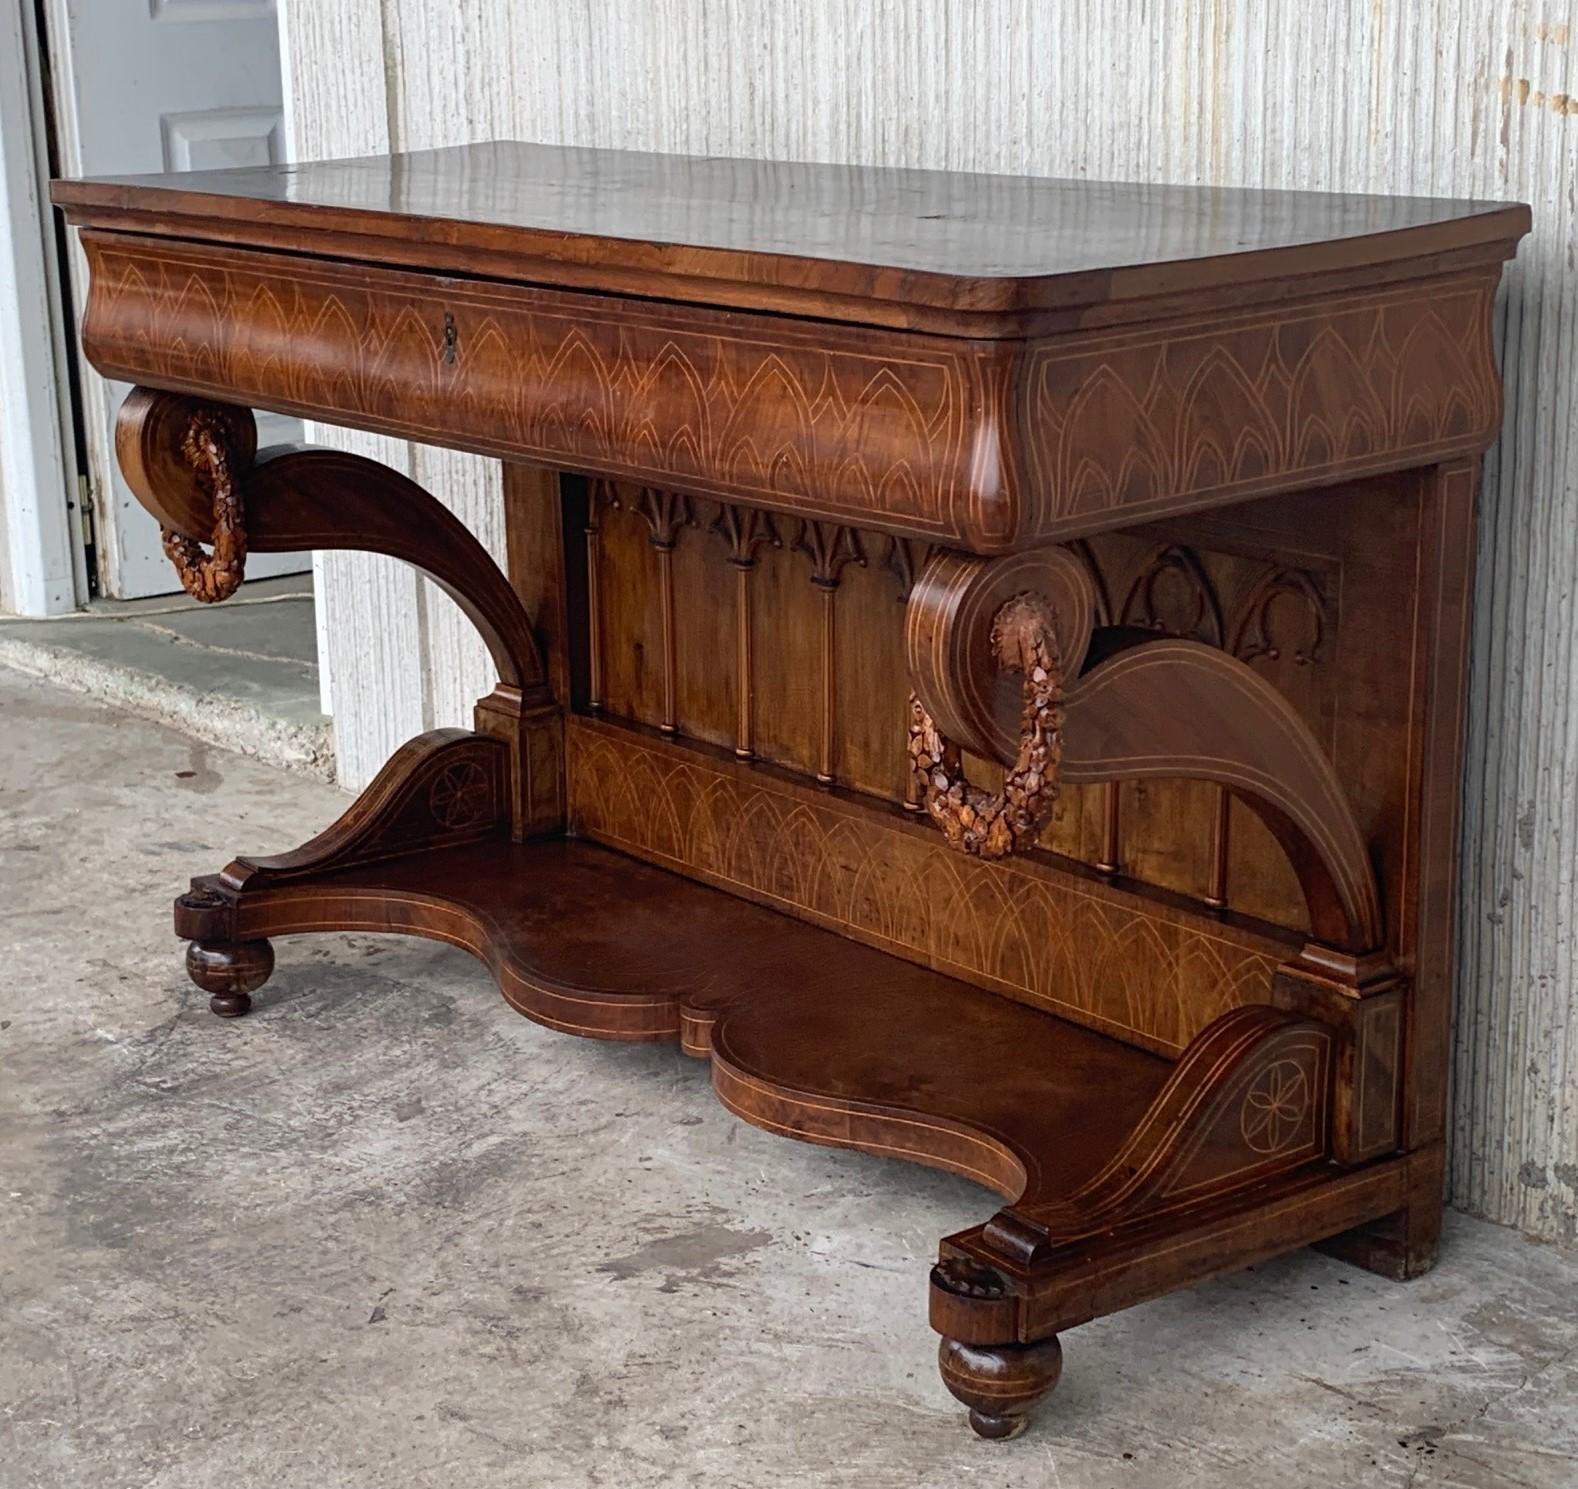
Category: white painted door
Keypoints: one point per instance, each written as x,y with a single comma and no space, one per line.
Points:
160,85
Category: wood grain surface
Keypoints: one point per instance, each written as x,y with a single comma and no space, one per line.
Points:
993,445
714,230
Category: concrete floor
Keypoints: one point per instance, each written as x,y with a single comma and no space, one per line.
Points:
243,675
386,1232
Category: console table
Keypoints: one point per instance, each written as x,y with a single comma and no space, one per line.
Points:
981,659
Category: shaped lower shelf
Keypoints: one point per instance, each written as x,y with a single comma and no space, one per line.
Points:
811,1035
1126,1173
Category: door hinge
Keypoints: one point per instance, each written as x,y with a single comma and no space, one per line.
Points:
85,510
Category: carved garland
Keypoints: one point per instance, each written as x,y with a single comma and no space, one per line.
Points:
974,821
211,577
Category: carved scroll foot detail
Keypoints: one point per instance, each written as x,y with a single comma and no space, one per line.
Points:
229,972
443,790
1001,1383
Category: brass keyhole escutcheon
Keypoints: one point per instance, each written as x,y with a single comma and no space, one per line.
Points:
451,339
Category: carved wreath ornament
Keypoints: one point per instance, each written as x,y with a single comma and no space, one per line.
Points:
216,576
972,820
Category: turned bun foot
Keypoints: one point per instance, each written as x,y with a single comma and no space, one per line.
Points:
1000,1382
229,972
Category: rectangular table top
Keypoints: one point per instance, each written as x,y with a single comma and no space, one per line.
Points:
988,362
768,234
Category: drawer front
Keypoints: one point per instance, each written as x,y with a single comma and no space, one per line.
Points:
1161,420
870,427
986,445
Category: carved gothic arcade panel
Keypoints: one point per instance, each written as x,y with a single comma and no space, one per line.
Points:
781,640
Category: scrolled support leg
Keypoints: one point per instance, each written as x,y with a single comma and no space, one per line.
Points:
1001,1383
229,972
996,651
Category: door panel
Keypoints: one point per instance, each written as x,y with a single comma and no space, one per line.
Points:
213,139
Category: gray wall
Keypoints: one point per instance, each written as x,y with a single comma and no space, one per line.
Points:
1459,97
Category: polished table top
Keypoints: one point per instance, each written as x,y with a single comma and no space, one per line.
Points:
943,239
1088,353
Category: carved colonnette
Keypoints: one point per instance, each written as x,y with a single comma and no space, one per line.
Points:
743,530
1072,661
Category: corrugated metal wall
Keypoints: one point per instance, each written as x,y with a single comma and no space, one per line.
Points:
1476,97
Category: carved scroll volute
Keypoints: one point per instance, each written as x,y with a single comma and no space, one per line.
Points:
302,499
949,647
187,460
989,643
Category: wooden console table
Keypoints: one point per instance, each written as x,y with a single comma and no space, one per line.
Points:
981,659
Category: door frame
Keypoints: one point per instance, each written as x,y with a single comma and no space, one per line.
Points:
127,564
92,389
43,567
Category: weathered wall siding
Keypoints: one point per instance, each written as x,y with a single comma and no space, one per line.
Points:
1475,97
398,655
457,668
370,613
